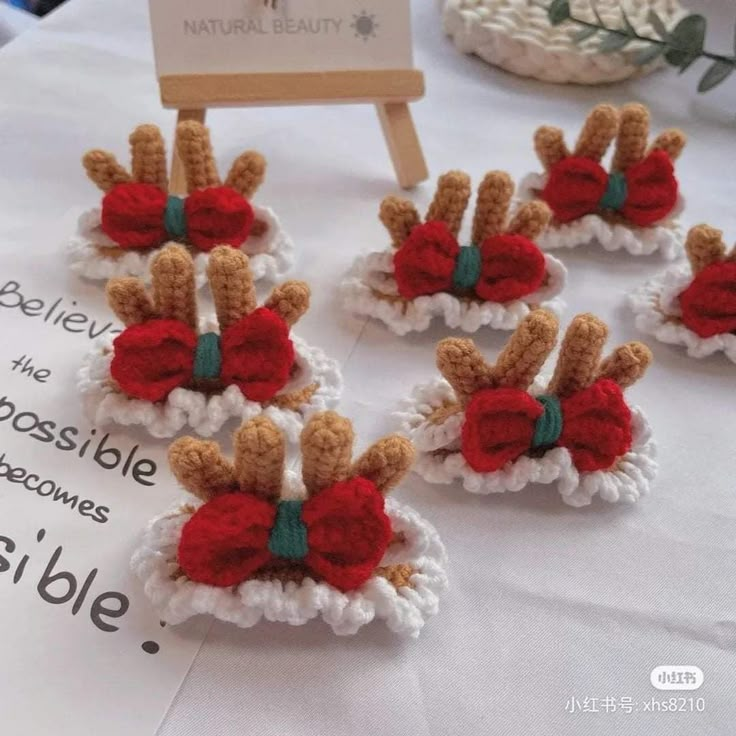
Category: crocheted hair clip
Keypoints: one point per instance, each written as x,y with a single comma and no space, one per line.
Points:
138,214
693,304
498,427
259,542
633,206
166,370
494,281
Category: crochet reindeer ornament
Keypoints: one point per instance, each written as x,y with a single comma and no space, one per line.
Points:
262,542
694,304
138,214
163,372
631,206
492,281
498,429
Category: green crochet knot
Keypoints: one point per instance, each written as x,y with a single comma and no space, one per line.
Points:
467,268
288,538
548,427
175,219
207,356
616,192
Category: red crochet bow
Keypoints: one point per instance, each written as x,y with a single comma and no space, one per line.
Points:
340,535
644,194
502,268
153,358
502,424
709,303
137,215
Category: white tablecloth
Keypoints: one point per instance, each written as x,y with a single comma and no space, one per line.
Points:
546,602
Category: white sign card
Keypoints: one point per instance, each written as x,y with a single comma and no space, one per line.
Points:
250,36
82,650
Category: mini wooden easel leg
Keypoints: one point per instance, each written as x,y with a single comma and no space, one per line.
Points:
177,179
403,143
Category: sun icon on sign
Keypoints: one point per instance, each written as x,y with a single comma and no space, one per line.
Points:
364,25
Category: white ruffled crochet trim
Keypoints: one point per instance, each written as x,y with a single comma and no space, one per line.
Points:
626,483
667,237
657,308
374,272
205,415
271,255
404,611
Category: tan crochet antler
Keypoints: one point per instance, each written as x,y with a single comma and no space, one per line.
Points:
705,245
578,364
174,290
451,199
258,468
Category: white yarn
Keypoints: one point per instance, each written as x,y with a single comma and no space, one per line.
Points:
516,35
657,309
375,272
629,480
404,611
204,414
271,255
667,237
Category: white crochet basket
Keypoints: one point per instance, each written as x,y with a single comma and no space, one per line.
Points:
627,482
517,36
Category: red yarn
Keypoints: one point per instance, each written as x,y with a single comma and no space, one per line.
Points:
499,427
575,187
217,216
226,540
425,262
709,302
151,359
652,189
257,354
511,267
133,215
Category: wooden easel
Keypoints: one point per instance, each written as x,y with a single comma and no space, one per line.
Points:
390,90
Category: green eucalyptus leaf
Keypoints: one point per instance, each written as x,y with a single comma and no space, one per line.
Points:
558,12
613,41
649,54
658,25
689,35
718,72
586,33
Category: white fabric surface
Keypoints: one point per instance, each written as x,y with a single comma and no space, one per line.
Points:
546,602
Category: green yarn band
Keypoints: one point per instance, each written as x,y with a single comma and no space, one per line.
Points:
175,219
548,428
467,268
288,537
207,357
616,192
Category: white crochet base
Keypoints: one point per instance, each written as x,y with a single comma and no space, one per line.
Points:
658,313
271,255
629,480
667,237
404,610
205,415
516,35
374,273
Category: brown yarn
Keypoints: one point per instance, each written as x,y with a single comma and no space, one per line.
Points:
399,217
671,141
127,297
148,156
290,301
450,200
385,462
195,151
294,400
104,170
327,447
494,197
633,132
200,467
247,173
231,283
531,219
398,575
549,144
259,458
627,364
598,131
579,356
174,290
463,366
704,245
